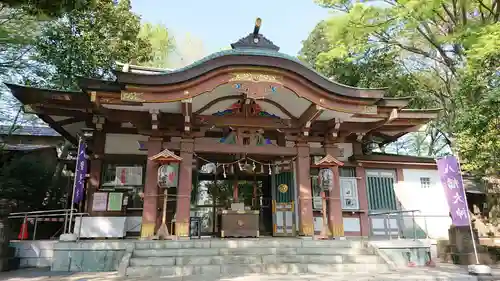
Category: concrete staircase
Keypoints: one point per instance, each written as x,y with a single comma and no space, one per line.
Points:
244,256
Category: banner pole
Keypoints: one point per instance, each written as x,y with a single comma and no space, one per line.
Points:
474,246
74,186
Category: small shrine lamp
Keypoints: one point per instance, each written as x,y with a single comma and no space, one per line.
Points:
326,182
167,177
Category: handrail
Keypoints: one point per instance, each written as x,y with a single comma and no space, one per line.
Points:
41,212
399,214
45,214
393,212
403,224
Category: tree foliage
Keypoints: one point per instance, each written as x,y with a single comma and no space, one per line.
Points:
88,43
162,44
432,37
50,46
372,68
478,124
445,52
52,8
25,179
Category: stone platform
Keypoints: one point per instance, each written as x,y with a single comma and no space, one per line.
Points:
249,256
420,274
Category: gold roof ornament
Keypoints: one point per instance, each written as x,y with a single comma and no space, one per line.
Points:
166,156
329,160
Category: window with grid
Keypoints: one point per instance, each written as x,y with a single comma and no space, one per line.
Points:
128,177
425,182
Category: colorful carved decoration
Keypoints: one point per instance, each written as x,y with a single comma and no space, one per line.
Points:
239,108
132,97
231,138
255,77
256,85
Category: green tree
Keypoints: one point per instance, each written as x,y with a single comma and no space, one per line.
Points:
162,44
478,124
26,180
376,67
434,41
372,68
431,37
88,43
52,8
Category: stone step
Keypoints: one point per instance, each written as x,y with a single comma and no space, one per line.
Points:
248,243
290,268
259,259
245,251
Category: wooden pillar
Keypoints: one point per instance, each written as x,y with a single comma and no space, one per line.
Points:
363,201
306,224
150,208
335,219
184,188
94,182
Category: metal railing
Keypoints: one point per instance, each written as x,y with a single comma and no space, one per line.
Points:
36,217
404,224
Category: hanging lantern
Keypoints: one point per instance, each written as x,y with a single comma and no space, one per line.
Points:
169,169
325,178
168,175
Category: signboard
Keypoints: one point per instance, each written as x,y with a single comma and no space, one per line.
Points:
168,175
100,201
80,173
115,200
129,175
451,179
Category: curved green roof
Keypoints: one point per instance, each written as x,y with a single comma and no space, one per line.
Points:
255,52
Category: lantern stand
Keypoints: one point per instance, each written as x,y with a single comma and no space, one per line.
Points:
326,181
167,177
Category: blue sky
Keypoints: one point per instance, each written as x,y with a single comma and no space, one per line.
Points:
217,23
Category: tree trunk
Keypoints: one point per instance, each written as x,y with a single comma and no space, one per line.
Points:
60,165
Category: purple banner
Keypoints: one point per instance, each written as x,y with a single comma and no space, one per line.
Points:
80,173
451,179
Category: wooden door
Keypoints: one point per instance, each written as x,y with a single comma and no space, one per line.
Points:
283,187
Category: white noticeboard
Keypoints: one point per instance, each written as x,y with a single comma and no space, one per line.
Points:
129,175
100,227
100,201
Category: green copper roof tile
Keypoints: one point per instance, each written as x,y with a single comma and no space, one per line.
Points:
246,52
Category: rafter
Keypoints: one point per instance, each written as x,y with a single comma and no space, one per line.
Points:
308,117
393,116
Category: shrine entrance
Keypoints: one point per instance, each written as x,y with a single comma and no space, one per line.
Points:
261,185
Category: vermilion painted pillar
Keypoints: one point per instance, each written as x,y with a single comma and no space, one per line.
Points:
184,188
306,223
335,219
150,209
94,182
335,206
363,201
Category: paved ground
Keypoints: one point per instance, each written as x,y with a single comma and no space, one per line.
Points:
442,274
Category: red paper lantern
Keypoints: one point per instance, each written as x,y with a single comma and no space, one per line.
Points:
325,178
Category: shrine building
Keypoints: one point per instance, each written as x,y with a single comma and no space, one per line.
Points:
253,142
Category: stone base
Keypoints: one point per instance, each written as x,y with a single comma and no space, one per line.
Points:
479,269
68,237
